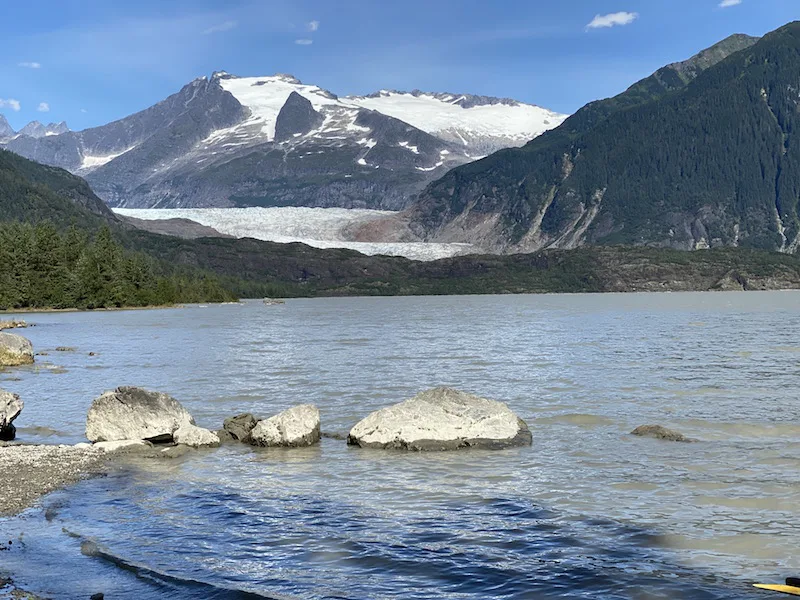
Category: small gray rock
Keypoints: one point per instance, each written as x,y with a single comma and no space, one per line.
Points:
298,426
10,408
240,426
225,437
660,433
196,437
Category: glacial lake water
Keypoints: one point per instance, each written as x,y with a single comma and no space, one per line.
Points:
588,511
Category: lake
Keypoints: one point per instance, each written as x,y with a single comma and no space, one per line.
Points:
588,511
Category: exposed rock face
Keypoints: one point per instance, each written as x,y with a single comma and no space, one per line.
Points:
296,118
10,408
442,419
240,426
660,433
298,426
131,413
15,350
191,435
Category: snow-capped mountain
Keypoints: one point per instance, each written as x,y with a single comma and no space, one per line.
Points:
35,129
275,141
480,124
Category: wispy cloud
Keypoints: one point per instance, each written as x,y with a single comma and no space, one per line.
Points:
304,42
612,20
43,107
30,65
729,3
83,110
220,27
10,103
312,25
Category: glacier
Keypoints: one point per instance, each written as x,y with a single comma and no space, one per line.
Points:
316,227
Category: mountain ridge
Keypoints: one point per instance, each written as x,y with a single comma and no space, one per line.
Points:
651,166
213,144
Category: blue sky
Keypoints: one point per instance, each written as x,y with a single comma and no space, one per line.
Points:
92,61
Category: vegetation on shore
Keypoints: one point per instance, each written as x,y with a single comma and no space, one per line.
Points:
43,268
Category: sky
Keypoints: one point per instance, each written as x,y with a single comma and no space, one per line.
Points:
89,62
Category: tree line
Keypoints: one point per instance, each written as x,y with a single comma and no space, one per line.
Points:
41,267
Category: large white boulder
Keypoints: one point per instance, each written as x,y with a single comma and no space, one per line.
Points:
298,426
15,350
131,413
10,408
191,435
442,419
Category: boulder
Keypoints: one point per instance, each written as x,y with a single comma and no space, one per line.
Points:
660,433
131,413
225,437
442,419
10,408
240,426
15,350
298,426
191,435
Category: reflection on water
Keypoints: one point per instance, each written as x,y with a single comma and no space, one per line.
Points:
588,511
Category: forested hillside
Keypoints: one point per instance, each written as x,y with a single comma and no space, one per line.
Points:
60,247
701,154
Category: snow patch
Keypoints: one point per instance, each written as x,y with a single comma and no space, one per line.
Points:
92,162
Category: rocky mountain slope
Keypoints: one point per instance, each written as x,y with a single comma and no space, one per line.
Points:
274,141
701,154
30,192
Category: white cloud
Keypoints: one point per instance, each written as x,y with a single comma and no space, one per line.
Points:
304,42
612,20
728,3
30,65
43,107
219,28
10,103
312,25
83,110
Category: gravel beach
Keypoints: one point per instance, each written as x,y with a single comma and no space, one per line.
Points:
30,472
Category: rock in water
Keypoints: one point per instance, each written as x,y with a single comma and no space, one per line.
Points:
240,426
298,426
660,433
15,350
123,447
442,419
131,413
10,408
191,435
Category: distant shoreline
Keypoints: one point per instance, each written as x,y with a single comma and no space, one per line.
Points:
16,311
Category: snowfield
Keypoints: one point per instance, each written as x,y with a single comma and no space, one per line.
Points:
317,227
445,117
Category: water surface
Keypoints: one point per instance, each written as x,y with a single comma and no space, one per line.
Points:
587,511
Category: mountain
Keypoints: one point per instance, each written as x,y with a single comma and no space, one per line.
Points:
35,129
703,153
275,141
33,270
6,131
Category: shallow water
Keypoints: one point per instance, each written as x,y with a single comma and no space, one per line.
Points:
587,511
